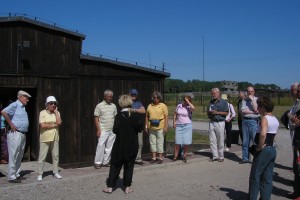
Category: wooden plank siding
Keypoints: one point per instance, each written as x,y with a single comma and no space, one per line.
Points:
54,65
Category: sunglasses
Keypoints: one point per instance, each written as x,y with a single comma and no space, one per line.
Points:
53,103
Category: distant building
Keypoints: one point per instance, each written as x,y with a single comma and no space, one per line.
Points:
230,86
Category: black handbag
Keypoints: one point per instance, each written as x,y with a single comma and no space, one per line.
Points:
253,151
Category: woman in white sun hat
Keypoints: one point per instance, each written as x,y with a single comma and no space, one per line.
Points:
49,121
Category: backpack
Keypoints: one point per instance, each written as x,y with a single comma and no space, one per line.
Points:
284,119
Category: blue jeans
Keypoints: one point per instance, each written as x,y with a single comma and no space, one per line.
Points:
249,132
261,175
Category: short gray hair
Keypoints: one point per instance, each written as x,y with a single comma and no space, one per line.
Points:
125,101
295,85
158,94
215,89
107,92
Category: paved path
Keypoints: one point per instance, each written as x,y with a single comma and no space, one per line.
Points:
198,179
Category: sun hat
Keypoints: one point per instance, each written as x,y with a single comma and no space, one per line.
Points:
50,99
224,96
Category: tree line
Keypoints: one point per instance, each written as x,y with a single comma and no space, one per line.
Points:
195,85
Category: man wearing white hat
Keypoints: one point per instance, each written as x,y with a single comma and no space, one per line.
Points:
17,118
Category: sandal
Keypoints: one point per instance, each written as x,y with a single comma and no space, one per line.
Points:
174,159
139,162
107,190
184,159
128,190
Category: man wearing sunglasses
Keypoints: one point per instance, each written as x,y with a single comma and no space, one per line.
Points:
17,118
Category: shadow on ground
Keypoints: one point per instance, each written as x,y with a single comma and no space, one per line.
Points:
227,155
279,192
233,194
26,172
279,166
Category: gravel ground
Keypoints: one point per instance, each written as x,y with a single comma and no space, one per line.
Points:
198,179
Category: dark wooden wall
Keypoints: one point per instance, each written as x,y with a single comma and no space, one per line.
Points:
50,52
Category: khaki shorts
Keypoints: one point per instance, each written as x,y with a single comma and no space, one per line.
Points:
156,138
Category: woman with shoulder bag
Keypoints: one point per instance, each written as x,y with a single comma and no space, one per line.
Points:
261,175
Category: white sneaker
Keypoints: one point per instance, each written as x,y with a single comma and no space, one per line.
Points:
40,177
227,149
56,175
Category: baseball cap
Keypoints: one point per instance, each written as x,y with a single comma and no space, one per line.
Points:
133,92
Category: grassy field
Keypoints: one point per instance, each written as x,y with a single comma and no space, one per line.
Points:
197,137
200,114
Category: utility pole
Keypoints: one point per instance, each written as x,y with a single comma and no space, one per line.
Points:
203,67
203,80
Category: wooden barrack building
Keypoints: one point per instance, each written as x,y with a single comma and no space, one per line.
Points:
44,59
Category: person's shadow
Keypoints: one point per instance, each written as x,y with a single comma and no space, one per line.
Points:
279,166
233,194
227,155
119,184
48,173
25,172
1,175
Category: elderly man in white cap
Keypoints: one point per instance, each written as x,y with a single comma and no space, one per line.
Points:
17,118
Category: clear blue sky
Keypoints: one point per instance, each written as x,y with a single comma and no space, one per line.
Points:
256,41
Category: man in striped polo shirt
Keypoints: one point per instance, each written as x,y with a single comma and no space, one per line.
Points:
104,113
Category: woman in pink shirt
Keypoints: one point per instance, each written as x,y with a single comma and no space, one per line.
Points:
183,126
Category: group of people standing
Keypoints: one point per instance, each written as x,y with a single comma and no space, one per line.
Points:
120,134
258,126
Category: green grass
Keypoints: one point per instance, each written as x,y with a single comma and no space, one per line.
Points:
200,114
198,138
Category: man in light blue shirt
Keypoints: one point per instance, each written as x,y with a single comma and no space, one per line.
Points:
17,118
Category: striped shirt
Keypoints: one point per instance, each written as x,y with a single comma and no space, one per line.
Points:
106,113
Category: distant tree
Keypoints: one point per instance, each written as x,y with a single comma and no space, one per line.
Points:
266,86
174,85
195,85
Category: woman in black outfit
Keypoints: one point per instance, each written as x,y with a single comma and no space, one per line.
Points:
126,127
